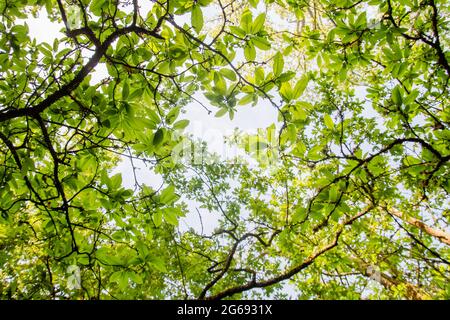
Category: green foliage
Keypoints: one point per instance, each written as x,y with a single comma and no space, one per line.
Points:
347,195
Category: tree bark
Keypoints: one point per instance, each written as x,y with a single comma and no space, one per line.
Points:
442,236
412,292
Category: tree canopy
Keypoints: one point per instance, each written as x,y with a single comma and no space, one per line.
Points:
345,196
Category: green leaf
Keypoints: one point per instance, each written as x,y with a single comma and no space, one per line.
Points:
116,276
258,23
135,277
125,90
246,99
397,96
181,124
142,249
286,76
164,67
249,52
286,91
246,21
154,117
261,43
278,64
315,153
121,278
158,137
254,3
96,6
220,83
115,182
300,87
204,3
299,215
259,75
333,193
137,93
197,18
228,73
171,217
172,115
158,263
328,121
299,112
221,112
411,97
237,31
157,218
231,114
168,195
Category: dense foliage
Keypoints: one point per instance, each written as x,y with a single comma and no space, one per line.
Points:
345,196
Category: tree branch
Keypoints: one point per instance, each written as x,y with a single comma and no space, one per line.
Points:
293,271
80,76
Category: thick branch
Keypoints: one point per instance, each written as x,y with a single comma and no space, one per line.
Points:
412,291
225,268
442,236
76,81
293,271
